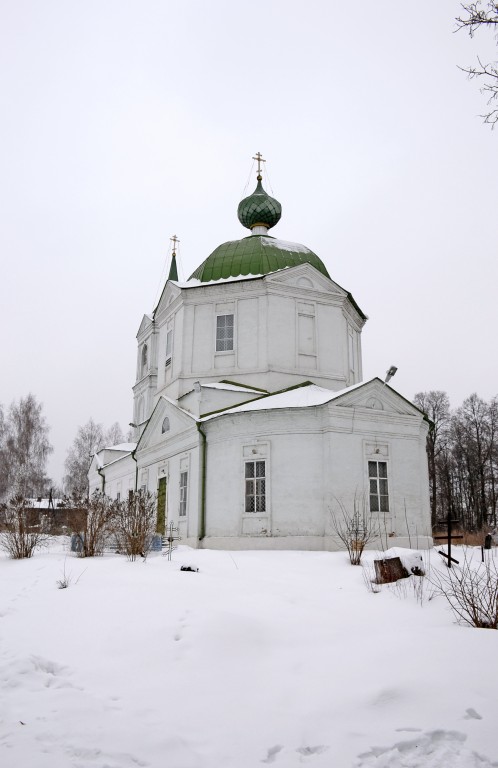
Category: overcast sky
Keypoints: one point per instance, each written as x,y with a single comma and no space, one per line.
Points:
123,123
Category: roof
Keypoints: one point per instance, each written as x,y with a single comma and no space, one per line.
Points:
306,395
128,447
259,209
301,396
255,255
229,387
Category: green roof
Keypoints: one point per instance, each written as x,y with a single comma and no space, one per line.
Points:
255,255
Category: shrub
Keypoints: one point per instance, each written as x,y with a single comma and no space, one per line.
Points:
19,538
355,526
471,590
135,524
95,525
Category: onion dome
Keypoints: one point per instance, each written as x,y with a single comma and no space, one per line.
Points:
255,255
259,210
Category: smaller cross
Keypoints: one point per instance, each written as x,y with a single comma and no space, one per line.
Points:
174,240
172,535
259,157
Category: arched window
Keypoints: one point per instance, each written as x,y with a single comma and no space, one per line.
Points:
165,425
144,359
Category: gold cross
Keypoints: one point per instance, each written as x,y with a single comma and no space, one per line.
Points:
260,159
174,240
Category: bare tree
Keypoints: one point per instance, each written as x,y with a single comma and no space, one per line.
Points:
114,435
24,449
18,537
135,524
89,439
475,16
474,436
436,406
355,526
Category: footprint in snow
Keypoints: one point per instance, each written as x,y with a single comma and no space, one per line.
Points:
272,753
471,714
437,749
308,751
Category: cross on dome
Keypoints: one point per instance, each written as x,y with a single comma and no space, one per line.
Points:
174,240
259,157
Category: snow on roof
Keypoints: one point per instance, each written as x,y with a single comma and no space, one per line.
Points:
230,387
128,447
300,397
195,283
285,245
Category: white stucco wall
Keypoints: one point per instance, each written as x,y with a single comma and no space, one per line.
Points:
269,317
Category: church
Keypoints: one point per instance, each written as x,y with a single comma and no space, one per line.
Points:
252,422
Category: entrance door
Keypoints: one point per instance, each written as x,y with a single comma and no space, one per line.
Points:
161,507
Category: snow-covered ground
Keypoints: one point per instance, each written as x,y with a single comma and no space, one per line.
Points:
282,658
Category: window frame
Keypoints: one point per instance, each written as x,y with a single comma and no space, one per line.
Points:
382,507
183,499
169,348
259,499
220,343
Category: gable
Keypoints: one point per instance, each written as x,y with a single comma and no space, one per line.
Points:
378,398
307,277
167,422
170,292
146,323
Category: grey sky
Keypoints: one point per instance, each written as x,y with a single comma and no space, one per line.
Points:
123,123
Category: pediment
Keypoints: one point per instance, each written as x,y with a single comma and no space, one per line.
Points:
305,277
145,324
170,292
377,397
166,422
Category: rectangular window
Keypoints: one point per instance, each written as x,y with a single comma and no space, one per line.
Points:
169,347
255,479
118,496
377,478
183,494
224,333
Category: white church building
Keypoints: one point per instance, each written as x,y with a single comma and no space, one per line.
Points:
252,422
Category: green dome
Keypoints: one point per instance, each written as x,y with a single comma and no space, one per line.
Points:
259,209
255,255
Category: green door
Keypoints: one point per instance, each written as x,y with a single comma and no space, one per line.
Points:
161,506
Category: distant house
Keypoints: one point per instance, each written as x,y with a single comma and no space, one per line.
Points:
252,421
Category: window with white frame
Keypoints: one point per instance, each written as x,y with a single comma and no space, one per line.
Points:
169,348
379,494
224,333
183,494
255,490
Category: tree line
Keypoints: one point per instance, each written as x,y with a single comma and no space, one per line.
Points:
462,451
25,449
